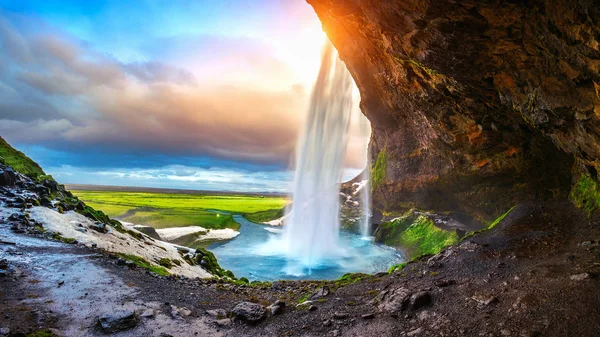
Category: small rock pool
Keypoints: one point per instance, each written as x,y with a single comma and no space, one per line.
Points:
245,256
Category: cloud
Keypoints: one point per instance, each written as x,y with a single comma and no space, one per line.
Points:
223,97
178,176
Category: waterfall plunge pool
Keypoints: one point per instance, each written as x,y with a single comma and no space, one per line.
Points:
254,254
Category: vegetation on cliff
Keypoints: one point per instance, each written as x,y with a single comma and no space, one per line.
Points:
379,170
20,162
416,234
585,194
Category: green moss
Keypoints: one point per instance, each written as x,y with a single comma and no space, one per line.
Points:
586,194
349,278
142,263
416,234
212,266
424,238
398,267
304,298
20,162
42,333
265,216
165,262
417,65
378,171
61,238
500,218
492,225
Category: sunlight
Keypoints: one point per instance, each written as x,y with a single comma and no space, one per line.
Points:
303,53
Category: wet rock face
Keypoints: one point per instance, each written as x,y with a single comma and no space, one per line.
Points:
475,105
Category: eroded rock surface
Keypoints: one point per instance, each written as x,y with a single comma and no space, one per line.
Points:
475,105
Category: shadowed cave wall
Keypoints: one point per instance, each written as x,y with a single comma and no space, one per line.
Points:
475,106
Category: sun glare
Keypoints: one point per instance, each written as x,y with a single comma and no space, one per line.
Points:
302,53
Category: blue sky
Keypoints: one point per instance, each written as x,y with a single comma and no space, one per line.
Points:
178,94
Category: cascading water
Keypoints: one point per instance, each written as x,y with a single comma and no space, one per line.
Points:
310,245
365,224
312,228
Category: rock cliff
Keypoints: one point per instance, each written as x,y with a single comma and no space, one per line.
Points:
475,106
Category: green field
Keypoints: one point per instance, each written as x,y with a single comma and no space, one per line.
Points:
163,210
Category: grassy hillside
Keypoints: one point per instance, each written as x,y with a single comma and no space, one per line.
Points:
19,161
162,210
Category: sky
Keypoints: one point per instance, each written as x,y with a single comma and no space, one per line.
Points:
187,94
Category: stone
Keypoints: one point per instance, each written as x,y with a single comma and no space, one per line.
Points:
278,285
368,316
320,293
340,315
395,301
45,202
444,283
117,321
4,331
217,313
148,313
7,177
580,277
420,300
225,322
99,227
414,332
484,301
276,308
178,312
334,333
249,312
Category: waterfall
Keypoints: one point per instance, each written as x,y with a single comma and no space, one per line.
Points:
365,224
312,227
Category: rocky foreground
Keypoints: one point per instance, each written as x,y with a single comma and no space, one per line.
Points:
534,274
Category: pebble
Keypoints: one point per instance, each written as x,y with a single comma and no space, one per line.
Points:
340,315
580,277
224,322
414,332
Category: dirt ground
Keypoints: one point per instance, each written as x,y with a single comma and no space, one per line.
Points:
535,274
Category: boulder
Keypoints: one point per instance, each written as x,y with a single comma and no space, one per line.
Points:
320,293
395,301
276,308
248,312
119,320
8,177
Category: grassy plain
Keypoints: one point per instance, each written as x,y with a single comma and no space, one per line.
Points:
162,210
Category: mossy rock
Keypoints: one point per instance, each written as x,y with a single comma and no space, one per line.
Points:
208,262
415,234
586,194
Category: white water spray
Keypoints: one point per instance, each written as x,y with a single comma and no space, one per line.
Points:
365,224
312,229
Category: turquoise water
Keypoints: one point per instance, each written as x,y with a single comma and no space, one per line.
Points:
254,254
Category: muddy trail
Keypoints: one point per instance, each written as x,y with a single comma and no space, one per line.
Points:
535,274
